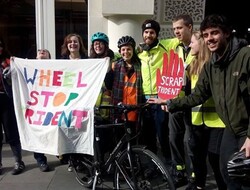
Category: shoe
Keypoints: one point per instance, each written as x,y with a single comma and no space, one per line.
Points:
192,186
44,167
180,178
62,160
70,168
18,168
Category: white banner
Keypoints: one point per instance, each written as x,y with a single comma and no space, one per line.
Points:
54,101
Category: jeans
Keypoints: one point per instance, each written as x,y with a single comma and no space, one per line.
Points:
155,125
40,158
179,134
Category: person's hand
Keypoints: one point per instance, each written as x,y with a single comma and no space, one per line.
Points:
155,101
170,81
246,146
7,73
158,101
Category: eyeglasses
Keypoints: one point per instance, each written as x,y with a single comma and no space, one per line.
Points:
98,43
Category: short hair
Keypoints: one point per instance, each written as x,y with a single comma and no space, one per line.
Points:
216,21
185,17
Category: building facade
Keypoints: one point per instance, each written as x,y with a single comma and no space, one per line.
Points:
34,24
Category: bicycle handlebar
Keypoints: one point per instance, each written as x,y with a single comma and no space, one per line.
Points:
124,107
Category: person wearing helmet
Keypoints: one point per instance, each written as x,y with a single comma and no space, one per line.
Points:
100,46
127,85
100,49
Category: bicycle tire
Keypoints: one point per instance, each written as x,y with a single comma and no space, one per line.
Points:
150,172
83,170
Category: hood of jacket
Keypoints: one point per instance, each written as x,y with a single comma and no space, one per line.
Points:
234,45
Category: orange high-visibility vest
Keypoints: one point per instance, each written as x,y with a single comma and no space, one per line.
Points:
129,95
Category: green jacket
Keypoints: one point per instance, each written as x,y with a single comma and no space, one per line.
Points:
227,80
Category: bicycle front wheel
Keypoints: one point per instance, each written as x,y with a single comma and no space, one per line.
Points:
149,171
83,170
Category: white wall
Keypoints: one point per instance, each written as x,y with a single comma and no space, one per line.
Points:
117,18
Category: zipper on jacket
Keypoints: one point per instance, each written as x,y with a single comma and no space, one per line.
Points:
150,57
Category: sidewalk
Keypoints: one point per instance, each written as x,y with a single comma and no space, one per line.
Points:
33,179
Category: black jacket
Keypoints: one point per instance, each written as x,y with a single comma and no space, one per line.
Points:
227,80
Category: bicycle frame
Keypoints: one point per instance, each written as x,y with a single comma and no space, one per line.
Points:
125,140
135,167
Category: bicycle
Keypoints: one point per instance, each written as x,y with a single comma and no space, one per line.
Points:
134,167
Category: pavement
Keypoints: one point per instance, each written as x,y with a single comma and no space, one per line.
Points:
56,179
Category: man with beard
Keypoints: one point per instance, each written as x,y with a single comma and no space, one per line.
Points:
155,120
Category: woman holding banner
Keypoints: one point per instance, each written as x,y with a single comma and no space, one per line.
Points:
100,49
72,48
8,122
40,157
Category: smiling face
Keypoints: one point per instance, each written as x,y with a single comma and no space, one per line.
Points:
149,36
215,39
126,52
73,44
99,47
43,54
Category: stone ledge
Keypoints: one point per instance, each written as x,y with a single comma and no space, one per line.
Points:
127,7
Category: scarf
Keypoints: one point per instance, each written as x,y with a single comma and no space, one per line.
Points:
118,85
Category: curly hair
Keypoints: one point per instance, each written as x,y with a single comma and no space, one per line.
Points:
64,49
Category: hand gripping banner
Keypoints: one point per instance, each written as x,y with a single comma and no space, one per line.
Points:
54,101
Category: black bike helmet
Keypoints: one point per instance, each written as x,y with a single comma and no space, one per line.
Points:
126,40
238,168
100,36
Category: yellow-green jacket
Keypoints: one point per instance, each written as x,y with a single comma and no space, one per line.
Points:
205,113
153,59
186,61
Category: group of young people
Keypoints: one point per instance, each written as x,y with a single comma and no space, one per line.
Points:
209,117
222,75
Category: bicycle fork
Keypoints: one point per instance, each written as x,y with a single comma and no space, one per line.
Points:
95,179
131,183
